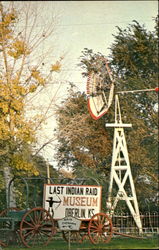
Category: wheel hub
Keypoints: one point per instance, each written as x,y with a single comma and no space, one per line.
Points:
36,228
100,228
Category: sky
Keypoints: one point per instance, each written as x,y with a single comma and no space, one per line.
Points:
89,24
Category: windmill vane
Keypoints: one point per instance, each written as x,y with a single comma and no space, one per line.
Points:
137,91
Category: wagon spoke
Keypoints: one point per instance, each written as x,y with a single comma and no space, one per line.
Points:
45,233
94,231
31,219
102,236
34,240
39,217
100,226
99,219
31,233
42,237
35,216
42,230
96,223
31,225
96,237
106,228
27,228
92,226
103,220
46,229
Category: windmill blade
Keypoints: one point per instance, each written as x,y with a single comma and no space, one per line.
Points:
100,91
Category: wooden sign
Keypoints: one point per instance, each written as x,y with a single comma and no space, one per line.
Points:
69,224
81,202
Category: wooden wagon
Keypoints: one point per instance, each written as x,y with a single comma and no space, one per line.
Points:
35,220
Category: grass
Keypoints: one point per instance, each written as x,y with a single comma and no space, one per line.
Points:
115,243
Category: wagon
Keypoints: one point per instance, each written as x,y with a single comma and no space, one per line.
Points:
46,201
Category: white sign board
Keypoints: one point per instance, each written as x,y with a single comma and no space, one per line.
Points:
77,201
69,224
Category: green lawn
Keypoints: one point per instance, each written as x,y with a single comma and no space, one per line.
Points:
115,243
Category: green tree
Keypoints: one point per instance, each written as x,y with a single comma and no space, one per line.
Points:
134,62
134,58
82,141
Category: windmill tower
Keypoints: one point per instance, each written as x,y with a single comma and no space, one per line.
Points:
121,181
100,95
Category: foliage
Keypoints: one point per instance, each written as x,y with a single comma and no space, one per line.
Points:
82,141
134,62
21,76
134,52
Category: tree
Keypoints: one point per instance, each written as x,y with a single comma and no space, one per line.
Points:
21,78
82,141
134,63
24,74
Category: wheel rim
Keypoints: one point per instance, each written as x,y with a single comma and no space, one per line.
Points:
36,227
100,228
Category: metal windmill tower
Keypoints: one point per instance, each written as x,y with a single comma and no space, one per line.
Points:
100,96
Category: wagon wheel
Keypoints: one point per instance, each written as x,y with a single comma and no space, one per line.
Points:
14,235
2,244
100,228
37,227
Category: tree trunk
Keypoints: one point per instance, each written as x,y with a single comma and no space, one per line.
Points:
11,201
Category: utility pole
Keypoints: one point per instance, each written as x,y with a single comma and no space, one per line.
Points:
48,172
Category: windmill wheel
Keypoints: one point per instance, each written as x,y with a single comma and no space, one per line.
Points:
37,227
100,228
100,90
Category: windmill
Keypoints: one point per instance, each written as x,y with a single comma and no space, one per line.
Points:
101,92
